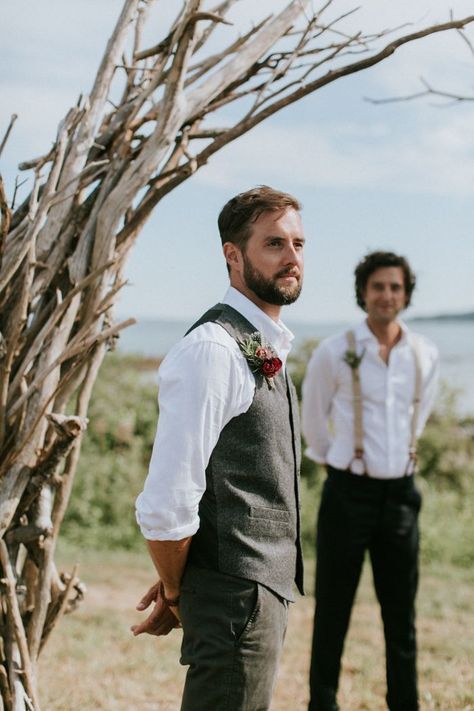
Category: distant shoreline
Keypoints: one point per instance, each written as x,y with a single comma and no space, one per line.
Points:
469,316
452,333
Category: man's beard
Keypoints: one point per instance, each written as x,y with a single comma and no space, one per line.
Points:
269,290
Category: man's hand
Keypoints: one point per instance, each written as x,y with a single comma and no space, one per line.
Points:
162,618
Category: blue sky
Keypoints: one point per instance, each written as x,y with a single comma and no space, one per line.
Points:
397,176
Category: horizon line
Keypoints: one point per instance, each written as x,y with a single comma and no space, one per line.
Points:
428,316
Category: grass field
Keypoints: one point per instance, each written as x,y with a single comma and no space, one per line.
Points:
93,663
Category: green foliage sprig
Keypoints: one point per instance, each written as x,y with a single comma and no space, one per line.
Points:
352,359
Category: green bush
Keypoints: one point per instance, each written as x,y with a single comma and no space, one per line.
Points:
115,455
298,361
446,448
117,448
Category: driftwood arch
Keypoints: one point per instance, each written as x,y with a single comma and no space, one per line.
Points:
62,253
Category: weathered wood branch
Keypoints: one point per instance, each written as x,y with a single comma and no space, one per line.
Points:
68,428
60,606
6,218
13,612
5,691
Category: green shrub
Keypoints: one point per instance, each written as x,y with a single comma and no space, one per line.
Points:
115,455
298,361
446,448
117,448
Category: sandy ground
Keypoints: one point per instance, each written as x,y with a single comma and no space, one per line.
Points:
94,663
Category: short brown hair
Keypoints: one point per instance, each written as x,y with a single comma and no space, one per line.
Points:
238,215
377,260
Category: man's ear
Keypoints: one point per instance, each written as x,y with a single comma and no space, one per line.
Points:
232,254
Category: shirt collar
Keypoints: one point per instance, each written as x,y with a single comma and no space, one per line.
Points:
363,332
276,333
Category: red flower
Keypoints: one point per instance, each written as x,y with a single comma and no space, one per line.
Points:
261,358
271,367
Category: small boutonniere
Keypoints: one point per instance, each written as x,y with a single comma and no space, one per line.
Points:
260,357
352,359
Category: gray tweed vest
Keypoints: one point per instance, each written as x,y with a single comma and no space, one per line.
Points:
249,513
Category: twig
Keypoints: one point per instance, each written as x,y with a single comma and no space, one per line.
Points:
466,40
53,621
38,162
7,133
17,186
429,91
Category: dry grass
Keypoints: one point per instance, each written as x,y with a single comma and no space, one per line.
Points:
93,663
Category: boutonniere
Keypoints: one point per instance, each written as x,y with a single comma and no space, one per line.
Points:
260,357
352,359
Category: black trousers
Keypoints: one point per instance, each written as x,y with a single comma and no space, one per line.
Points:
233,632
358,514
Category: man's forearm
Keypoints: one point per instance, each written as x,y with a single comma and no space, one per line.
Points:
169,558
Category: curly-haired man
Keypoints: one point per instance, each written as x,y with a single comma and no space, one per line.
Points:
366,397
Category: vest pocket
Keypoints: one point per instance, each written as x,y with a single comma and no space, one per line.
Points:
267,521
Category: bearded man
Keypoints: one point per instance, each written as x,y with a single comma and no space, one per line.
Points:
220,509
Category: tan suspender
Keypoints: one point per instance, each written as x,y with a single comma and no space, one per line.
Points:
357,400
411,464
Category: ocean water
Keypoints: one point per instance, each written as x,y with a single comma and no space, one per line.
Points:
454,338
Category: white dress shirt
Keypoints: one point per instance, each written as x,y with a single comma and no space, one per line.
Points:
203,382
387,401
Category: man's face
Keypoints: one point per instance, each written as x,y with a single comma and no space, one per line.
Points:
385,294
271,265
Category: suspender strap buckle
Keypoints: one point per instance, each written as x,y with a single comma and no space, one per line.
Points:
359,457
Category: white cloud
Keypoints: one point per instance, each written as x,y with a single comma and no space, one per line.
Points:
438,159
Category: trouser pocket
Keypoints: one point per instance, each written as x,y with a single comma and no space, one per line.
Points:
244,608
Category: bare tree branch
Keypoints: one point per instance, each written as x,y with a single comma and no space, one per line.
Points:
429,91
7,132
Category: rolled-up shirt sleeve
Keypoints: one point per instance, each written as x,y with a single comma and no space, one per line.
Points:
202,386
318,389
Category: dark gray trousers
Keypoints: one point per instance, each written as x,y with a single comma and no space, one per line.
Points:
233,632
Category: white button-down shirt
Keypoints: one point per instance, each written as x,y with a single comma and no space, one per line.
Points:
204,382
387,401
